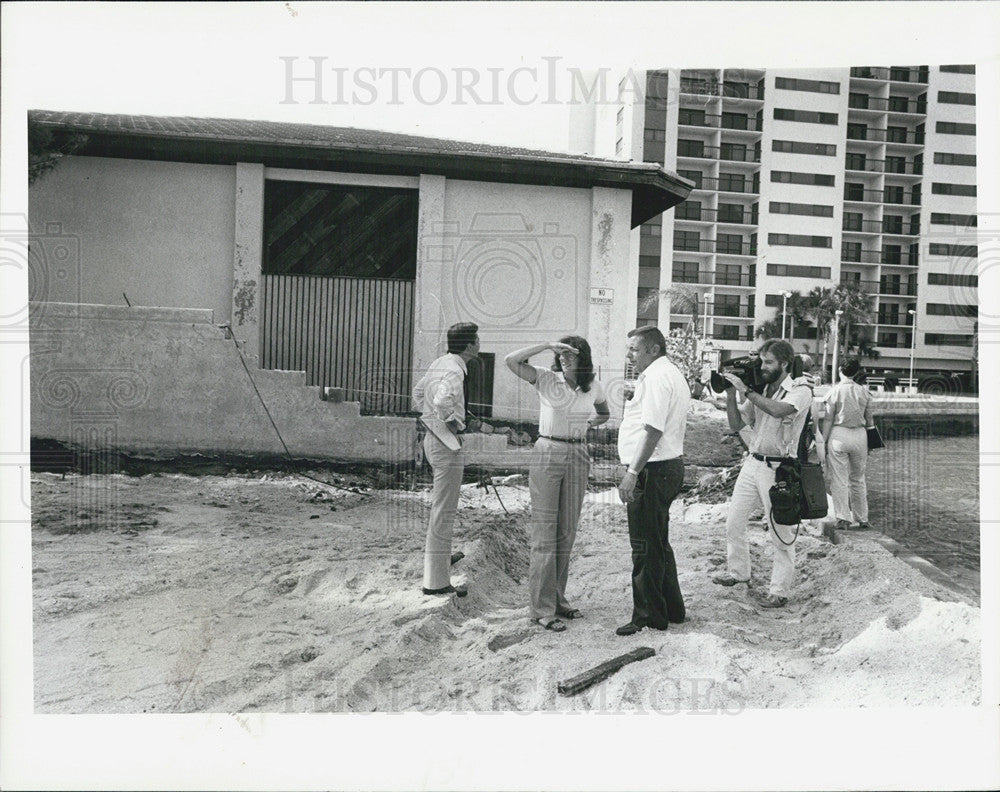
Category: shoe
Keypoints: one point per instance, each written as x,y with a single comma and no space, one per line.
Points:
629,629
458,591
772,601
864,525
843,525
572,613
456,557
551,623
727,580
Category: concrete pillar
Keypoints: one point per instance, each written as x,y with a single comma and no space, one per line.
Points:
248,257
609,322
432,312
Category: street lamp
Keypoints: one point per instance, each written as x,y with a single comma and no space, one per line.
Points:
913,344
704,329
836,344
784,310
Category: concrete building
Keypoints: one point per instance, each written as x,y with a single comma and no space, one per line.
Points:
810,178
336,257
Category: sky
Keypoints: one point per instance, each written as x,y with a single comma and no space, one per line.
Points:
497,73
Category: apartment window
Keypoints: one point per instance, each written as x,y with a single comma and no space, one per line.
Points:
649,263
854,192
955,97
733,151
816,86
793,271
799,147
726,305
954,128
948,279
899,104
731,275
735,121
853,221
850,251
813,210
947,339
692,175
955,251
969,221
945,309
804,116
619,119
892,224
732,182
619,145
656,229
727,332
896,134
855,161
794,177
800,240
729,243
893,194
857,131
730,213
946,158
892,254
959,69
773,300
654,135
690,148
687,240
685,271
895,164
693,117
953,189
689,210
857,101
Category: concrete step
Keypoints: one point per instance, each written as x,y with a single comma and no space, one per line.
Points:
279,377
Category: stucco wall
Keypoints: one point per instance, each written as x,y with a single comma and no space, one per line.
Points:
167,381
162,232
518,260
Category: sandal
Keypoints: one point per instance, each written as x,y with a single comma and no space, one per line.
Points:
554,624
572,613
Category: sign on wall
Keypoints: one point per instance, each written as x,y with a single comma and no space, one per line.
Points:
602,296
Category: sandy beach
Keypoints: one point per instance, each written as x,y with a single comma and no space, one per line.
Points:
269,592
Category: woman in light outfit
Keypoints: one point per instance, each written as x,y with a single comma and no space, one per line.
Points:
848,413
572,401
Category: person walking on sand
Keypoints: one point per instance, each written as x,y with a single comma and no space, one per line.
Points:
572,401
651,444
848,414
777,416
441,397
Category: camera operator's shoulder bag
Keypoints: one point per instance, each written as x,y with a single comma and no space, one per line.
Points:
799,491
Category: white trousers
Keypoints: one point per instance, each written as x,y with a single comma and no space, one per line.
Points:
448,467
848,460
750,492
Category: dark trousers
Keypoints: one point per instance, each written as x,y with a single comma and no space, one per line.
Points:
656,594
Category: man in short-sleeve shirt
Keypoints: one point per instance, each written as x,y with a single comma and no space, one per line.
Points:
776,416
651,444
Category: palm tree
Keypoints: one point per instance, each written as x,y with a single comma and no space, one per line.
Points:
821,310
857,306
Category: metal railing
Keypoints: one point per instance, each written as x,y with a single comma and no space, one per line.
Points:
862,163
715,88
716,278
862,226
716,121
892,105
701,214
885,135
731,310
713,246
897,289
862,196
717,152
869,73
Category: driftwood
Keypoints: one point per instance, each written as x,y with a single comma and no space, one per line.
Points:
574,685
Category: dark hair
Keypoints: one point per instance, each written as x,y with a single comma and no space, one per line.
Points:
460,336
850,367
650,334
781,350
584,361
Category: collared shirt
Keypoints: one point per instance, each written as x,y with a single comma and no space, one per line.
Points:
779,437
847,402
660,400
440,392
564,409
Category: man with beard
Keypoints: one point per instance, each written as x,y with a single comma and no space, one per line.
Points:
777,416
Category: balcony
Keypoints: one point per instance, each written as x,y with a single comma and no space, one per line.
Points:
895,320
731,310
907,75
857,194
862,226
868,287
735,154
900,198
869,73
892,289
715,121
700,214
891,258
885,135
899,259
893,343
712,246
716,278
857,162
895,104
730,335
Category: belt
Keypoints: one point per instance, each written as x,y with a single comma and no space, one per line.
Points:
768,459
565,439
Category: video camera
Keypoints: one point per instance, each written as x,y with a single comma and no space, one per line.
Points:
748,370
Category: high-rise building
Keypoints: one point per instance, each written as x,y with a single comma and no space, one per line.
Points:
812,178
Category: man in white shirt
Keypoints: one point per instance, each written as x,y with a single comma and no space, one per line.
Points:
777,416
441,398
651,444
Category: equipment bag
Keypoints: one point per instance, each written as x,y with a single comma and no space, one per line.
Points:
813,488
